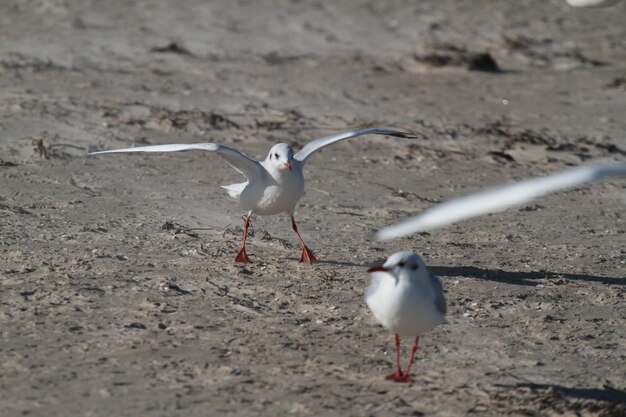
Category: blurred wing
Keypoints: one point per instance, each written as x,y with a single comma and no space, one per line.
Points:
318,144
592,3
248,167
499,198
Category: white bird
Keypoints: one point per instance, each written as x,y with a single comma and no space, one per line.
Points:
499,198
273,185
407,299
592,3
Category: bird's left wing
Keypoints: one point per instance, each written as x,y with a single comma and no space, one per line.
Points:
318,144
247,166
499,198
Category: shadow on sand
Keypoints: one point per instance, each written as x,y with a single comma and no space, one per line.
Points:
509,277
607,394
518,277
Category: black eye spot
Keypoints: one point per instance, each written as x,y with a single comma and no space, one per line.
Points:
401,264
276,155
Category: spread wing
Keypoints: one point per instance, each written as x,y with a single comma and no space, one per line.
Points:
247,166
592,3
318,144
499,198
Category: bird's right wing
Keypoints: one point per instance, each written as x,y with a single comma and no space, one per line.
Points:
247,166
499,198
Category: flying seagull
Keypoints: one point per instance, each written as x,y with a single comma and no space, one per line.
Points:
499,198
273,185
407,299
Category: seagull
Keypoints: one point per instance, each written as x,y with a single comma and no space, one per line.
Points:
499,198
406,298
274,185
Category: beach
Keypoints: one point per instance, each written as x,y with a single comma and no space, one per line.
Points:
118,290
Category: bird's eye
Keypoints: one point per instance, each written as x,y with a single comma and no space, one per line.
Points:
276,155
401,264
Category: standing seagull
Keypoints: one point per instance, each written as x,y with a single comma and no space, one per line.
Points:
406,298
273,185
499,198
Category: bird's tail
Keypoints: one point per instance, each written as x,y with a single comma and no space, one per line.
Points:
234,190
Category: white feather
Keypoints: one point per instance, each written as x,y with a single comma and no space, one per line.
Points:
499,198
246,166
318,144
592,3
234,190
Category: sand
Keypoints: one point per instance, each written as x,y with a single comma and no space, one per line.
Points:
118,291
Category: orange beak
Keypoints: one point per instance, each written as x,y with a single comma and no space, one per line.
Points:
288,165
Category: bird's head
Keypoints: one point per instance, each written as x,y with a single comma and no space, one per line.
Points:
281,156
401,264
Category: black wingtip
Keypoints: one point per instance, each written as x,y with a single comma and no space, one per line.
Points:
404,135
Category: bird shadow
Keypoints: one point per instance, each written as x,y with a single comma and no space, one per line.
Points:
518,277
331,262
342,263
607,394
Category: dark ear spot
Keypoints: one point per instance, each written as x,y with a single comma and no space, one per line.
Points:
415,267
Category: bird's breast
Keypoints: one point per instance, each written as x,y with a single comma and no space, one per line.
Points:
278,195
402,309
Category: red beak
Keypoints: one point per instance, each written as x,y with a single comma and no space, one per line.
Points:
377,268
288,165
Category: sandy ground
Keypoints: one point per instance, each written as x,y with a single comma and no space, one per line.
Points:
111,305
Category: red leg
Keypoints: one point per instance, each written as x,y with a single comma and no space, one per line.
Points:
396,376
307,254
242,256
407,374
